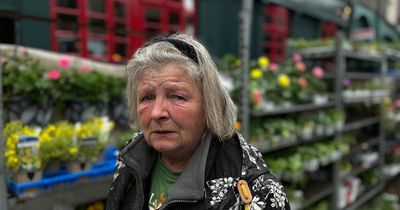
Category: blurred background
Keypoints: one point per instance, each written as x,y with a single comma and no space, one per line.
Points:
316,83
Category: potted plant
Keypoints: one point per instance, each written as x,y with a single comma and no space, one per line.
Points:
58,145
21,152
92,136
28,90
85,93
307,125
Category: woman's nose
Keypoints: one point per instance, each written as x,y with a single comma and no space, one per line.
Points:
159,110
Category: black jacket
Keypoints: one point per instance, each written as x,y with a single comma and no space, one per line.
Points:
208,182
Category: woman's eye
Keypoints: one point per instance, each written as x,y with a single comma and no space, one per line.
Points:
146,98
178,97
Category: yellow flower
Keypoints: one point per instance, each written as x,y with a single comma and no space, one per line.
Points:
238,62
387,101
73,150
284,81
263,62
256,73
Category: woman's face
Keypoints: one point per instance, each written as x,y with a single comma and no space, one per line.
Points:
170,110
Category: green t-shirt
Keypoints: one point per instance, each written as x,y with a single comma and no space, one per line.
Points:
162,180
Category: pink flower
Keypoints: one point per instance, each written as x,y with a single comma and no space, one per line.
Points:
318,72
397,103
302,82
24,51
64,63
2,59
300,66
297,58
86,69
273,67
54,75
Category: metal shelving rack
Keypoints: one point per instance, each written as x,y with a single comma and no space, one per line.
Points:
339,54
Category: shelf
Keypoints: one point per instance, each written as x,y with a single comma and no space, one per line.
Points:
314,195
318,52
365,145
362,75
360,124
370,193
292,109
359,170
284,145
82,192
366,56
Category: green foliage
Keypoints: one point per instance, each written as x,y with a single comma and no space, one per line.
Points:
303,43
24,76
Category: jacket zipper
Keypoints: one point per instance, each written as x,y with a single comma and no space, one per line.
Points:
136,176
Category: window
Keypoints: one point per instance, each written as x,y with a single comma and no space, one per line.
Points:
69,44
97,26
153,15
119,9
67,3
84,27
275,29
97,48
67,22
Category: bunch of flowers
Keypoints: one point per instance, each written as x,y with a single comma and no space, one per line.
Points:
28,148
290,82
58,142
92,136
18,155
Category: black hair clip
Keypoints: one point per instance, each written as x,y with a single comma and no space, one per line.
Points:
182,46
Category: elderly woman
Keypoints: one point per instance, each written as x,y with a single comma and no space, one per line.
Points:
187,154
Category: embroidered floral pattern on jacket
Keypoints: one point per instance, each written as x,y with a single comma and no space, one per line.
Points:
219,188
269,189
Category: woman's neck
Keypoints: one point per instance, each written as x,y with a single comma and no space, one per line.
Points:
176,165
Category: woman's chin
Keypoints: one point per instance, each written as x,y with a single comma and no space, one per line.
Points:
164,147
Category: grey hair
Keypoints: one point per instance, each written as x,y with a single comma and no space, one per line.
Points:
219,109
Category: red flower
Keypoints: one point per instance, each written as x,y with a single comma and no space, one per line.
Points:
53,75
64,63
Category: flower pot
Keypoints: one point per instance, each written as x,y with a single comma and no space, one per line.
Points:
311,165
27,176
320,99
52,168
20,108
78,166
307,133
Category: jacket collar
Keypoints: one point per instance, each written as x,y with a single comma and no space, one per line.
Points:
139,156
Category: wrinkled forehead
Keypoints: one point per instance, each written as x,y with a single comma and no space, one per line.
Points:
160,69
